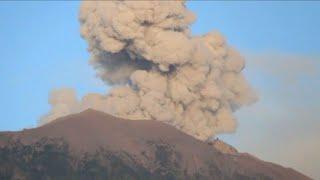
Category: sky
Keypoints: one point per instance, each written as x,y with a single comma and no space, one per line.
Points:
42,50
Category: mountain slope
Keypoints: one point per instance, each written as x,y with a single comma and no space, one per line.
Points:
95,145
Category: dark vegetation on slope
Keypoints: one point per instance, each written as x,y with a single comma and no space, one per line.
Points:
51,159
94,145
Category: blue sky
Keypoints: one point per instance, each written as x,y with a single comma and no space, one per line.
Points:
261,26
41,49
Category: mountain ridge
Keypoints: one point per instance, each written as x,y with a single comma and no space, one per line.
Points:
145,144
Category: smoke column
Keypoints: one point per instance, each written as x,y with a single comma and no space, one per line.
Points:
158,69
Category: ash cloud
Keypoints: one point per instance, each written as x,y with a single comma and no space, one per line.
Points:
159,70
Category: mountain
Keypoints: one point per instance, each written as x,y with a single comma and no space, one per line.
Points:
95,145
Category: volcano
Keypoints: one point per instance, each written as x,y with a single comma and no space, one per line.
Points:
95,145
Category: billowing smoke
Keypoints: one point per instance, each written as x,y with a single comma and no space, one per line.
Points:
158,69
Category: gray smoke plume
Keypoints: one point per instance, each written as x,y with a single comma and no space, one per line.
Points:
158,69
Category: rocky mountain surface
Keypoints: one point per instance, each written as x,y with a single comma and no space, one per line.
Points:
95,145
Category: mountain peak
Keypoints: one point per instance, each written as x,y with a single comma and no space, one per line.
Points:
147,146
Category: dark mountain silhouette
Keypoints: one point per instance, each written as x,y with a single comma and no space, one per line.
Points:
95,145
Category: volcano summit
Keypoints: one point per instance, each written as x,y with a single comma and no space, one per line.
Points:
95,145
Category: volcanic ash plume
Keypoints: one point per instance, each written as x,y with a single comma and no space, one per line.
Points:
158,69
